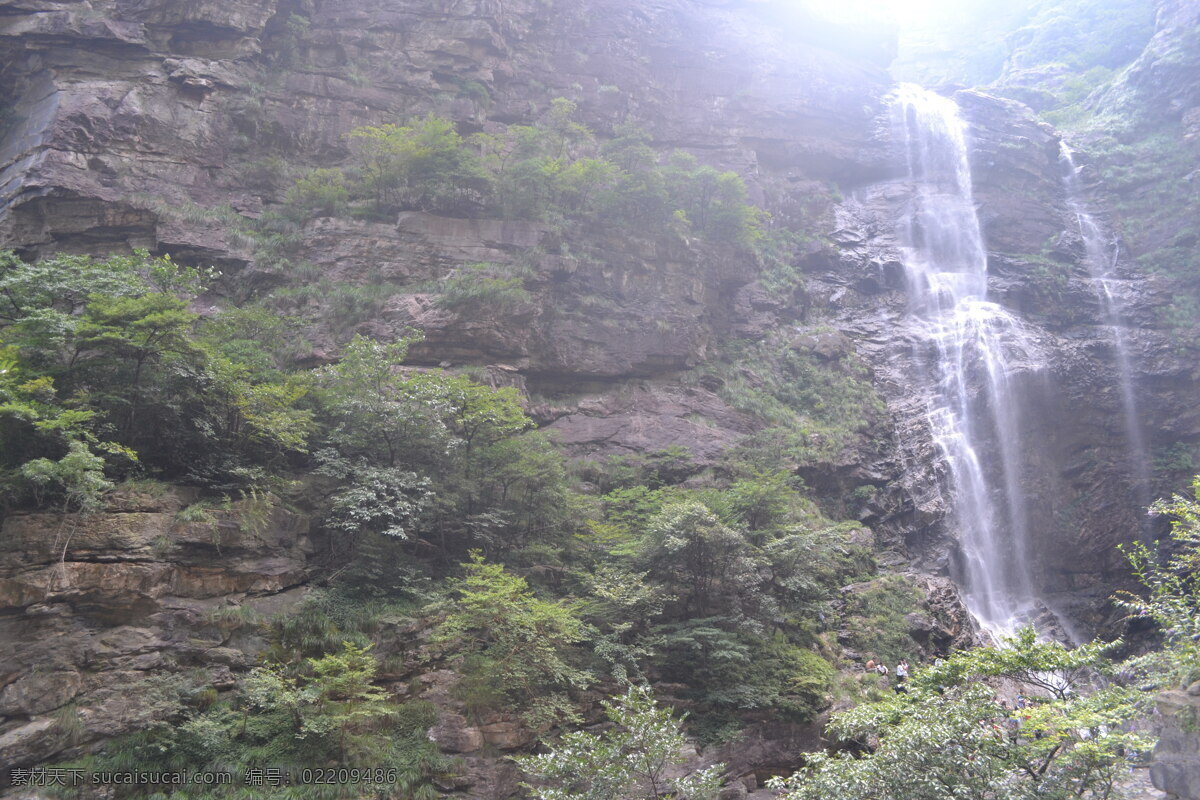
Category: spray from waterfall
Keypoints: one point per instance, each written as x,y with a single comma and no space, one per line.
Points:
1100,255
977,350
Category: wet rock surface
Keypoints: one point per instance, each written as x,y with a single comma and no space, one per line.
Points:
1078,476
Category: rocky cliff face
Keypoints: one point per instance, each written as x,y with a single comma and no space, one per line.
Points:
102,615
153,125
165,125
168,125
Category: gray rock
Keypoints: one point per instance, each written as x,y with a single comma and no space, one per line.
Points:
453,734
36,693
1175,767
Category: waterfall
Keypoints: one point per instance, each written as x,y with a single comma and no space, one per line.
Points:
1100,255
975,349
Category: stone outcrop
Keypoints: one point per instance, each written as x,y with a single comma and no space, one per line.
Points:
99,615
1175,768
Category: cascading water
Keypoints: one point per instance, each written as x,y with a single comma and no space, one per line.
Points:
1100,254
977,350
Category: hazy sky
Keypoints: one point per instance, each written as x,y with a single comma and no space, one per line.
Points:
899,11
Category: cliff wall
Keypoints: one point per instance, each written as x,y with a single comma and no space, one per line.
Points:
174,126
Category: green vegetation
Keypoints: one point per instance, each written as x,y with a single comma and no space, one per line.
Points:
878,615
325,714
515,646
109,376
816,406
422,166
1171,577
947,736
322,192
1049,278
730,584
554,171
103,360
627,762
485,286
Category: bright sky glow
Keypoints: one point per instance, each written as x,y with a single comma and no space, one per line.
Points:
901,12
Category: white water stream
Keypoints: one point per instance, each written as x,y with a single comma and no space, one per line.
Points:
977,349
1100,253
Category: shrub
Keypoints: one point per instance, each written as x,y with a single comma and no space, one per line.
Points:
520,643
424,165
322,192
494,286
876,614
629,761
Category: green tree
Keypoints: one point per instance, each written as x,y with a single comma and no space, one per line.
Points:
521,481
379,414
947,738
64,283
334,709
491,286
763,499
521,643
42,304
641,196
382,500
1172,582
423,165
713,202
708,564
1052,667
320,712
344,704
77,477
33,426
322,192
492,483
589,187
622,605
551,169
138,332
481,415
252,410
89,345
629,761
